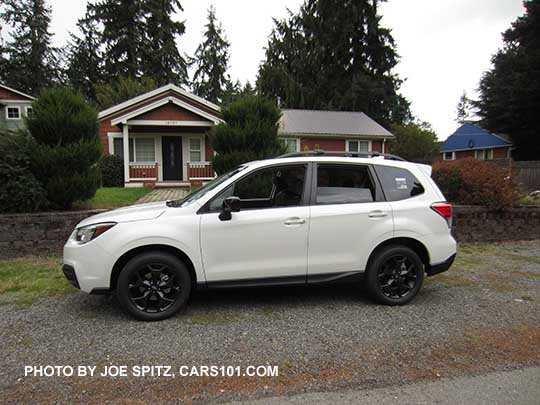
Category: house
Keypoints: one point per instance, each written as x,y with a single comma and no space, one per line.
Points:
470,140
164,134
332,131
14,106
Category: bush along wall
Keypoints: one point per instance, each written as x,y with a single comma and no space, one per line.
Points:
475,182
64,147
20,191
112,171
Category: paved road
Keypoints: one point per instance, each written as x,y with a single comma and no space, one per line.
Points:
508,387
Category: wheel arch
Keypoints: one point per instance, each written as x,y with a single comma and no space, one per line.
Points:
127,256
418,247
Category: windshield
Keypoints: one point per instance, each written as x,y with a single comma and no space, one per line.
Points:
200,192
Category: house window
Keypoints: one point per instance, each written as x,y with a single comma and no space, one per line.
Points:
448,156
13,113
118,148
484,154
291,144
141,150
144,150
28,111
358,146
195,150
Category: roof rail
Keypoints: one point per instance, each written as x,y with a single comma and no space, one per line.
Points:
319,152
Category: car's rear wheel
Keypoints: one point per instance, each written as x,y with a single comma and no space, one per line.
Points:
395,275
153,286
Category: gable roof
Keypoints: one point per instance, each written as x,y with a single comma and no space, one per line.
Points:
156,92
330,123
20,93
469,136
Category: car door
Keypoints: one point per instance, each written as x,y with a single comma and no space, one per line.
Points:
349,217
267,238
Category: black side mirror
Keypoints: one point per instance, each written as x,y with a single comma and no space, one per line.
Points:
230,205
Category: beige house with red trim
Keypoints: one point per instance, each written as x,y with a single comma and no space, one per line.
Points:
14,106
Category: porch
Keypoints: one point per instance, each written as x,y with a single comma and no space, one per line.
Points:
164,159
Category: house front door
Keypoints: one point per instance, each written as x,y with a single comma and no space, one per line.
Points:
172,157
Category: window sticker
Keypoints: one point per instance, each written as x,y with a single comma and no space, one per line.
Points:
401,183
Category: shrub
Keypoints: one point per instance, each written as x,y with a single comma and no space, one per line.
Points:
475,182
112,171
20,191
65,149
249,133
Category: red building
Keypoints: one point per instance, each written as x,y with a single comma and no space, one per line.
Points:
164,134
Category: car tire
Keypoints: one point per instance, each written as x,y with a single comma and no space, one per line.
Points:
394,275
153,286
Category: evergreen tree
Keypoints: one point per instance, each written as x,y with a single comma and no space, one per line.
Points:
249,133
464,109
121,89
30,62
65,148
509,102
161,59
210,80
123,35
85,59
336,58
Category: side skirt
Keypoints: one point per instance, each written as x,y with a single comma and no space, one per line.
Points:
327,278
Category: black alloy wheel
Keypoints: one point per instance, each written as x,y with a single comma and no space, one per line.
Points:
153,286
394,275
397,277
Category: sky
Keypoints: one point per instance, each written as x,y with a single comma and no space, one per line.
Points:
444,45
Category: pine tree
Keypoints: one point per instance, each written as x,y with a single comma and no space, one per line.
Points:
509,102
210,80
85,59
337,58
123,35
464,109
161,59
31,61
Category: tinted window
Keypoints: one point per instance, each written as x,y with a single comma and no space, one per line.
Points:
342,184
398,184
280,186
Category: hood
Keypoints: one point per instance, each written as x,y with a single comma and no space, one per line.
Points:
132,213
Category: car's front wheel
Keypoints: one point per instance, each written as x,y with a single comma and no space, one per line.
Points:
395,275
153,286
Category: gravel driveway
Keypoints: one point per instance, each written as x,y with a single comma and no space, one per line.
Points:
480,316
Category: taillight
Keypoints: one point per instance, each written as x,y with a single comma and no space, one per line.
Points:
444,209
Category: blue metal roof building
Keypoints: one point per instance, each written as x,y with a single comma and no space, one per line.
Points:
469,137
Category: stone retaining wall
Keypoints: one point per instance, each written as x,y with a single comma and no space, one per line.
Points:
38,234
479,224
46,233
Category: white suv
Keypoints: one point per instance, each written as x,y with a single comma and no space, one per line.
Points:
297,219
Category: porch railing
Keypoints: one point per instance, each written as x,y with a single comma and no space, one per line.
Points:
143,171
200,171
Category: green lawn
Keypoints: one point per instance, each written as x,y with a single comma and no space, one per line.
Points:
24,280
113,197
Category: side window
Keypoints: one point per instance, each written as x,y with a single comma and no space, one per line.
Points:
279,186
344,184
398,184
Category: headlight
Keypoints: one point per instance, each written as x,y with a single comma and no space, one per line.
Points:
87,233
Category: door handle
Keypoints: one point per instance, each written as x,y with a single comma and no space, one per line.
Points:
377,214
294,221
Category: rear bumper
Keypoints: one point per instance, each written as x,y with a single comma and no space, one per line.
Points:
441,267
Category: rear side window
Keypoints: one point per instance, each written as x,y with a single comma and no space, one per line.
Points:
397,183
344,184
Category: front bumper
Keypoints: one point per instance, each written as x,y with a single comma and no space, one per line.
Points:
69,272
441,267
